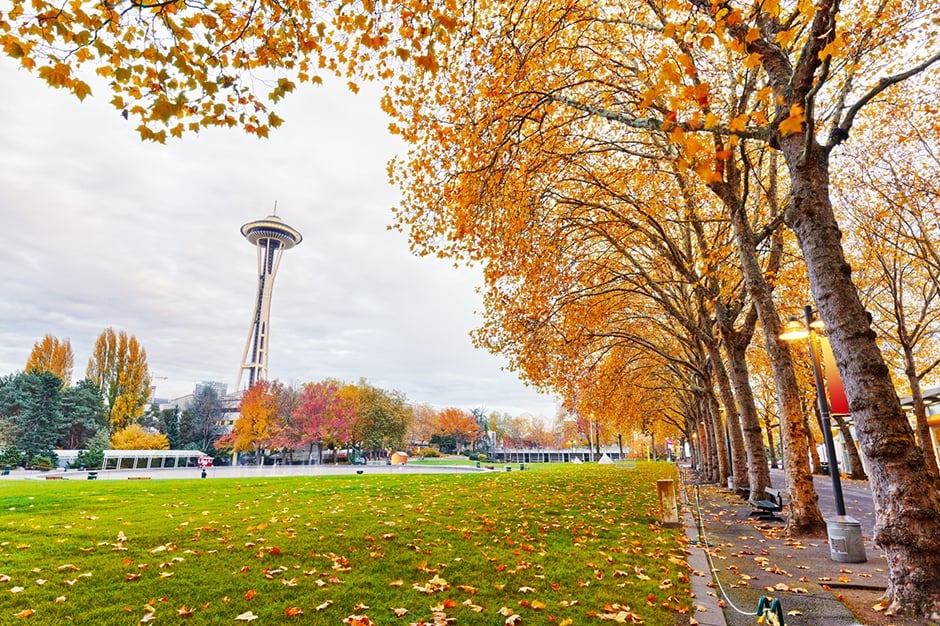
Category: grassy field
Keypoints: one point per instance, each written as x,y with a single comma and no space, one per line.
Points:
572,544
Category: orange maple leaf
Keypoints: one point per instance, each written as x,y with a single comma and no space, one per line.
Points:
793,123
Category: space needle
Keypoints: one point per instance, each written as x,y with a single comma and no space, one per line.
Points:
271,236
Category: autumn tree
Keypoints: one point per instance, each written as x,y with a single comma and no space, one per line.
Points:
714,79
889,197
206,65
49,354
528,84
458,424
136,437
322,415
118,366
383,417
260,418
422,426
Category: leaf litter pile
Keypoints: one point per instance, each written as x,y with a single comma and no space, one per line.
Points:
554,545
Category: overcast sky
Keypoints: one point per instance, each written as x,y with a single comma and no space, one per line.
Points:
100,229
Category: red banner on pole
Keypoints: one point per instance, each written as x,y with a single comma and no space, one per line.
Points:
838,403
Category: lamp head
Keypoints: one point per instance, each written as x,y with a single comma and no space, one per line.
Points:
794,330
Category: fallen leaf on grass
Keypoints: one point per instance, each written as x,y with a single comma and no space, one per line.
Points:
293,611
324,605
247,616
25,613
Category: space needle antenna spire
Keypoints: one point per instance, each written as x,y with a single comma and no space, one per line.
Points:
271,236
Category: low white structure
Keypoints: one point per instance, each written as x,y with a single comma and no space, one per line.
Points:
146,459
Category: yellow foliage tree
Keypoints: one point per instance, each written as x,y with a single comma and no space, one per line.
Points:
179,66
49,354
260,417
118,366
135,437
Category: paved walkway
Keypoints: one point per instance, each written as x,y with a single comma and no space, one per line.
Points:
738,559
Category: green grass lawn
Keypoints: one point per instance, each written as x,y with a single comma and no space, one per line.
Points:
567,544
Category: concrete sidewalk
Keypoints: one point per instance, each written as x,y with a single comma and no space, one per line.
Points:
738,560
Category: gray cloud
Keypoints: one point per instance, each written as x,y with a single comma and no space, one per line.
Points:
103,230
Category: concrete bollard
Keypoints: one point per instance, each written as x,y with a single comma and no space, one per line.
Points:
667,502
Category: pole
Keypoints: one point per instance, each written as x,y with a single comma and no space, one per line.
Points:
824,415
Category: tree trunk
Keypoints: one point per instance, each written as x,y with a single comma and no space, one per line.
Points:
907,504
813,448
757,470
729,429
771,447
805,518
920,417
717,446
856,469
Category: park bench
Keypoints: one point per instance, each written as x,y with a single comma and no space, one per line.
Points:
92,475
767,508
138,478
54,477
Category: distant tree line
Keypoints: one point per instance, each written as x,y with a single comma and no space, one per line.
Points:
41,411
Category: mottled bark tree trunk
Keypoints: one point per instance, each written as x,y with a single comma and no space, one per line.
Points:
856,469
907,504
716,440
731,428
920,416
771,446
757,469
805,519
735,343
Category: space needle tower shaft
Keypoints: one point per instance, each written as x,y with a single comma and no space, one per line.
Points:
271,236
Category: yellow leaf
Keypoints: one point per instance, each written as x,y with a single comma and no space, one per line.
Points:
786,37
793,123
753,34
738,124
833,49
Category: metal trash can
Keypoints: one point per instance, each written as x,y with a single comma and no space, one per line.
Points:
845,540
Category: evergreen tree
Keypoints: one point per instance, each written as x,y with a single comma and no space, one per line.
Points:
204,416
83,412
30,404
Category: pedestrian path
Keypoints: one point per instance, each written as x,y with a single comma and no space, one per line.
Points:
738,560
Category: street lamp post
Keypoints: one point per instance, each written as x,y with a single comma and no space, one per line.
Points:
845,533
824,414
